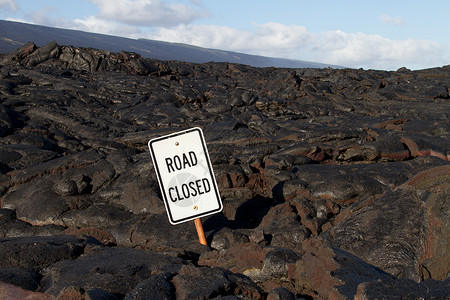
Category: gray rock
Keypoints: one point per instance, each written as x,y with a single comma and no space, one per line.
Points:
276,263
66,188
226,238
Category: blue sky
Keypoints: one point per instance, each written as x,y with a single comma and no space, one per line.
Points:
359,34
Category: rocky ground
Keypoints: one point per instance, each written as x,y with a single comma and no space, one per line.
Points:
335,183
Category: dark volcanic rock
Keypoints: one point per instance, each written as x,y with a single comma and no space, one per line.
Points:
394,246
207,283
115,270
156,287
334,182
403,288
26,278
40,251
398,232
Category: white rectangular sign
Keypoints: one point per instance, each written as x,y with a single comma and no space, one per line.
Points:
185,175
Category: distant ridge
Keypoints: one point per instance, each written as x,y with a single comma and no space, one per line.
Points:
15,34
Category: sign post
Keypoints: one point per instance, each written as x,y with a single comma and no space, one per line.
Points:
186,178
200,232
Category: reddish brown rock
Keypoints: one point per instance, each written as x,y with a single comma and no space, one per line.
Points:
282,227
95,232
238,257
422,148
325,272
435,258
11,292
229,176
77,293
21,52
395,124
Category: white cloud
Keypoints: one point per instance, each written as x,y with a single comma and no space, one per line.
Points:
45,17
147,12
94,24
387,19
267,39
375,51
42,16
356,50
126,18
9,5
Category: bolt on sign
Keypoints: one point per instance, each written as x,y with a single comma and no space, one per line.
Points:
185,175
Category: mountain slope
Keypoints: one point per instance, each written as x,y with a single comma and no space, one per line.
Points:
14,35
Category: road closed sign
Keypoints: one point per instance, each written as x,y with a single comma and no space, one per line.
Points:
185,175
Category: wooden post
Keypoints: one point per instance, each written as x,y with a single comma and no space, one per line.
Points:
200,232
